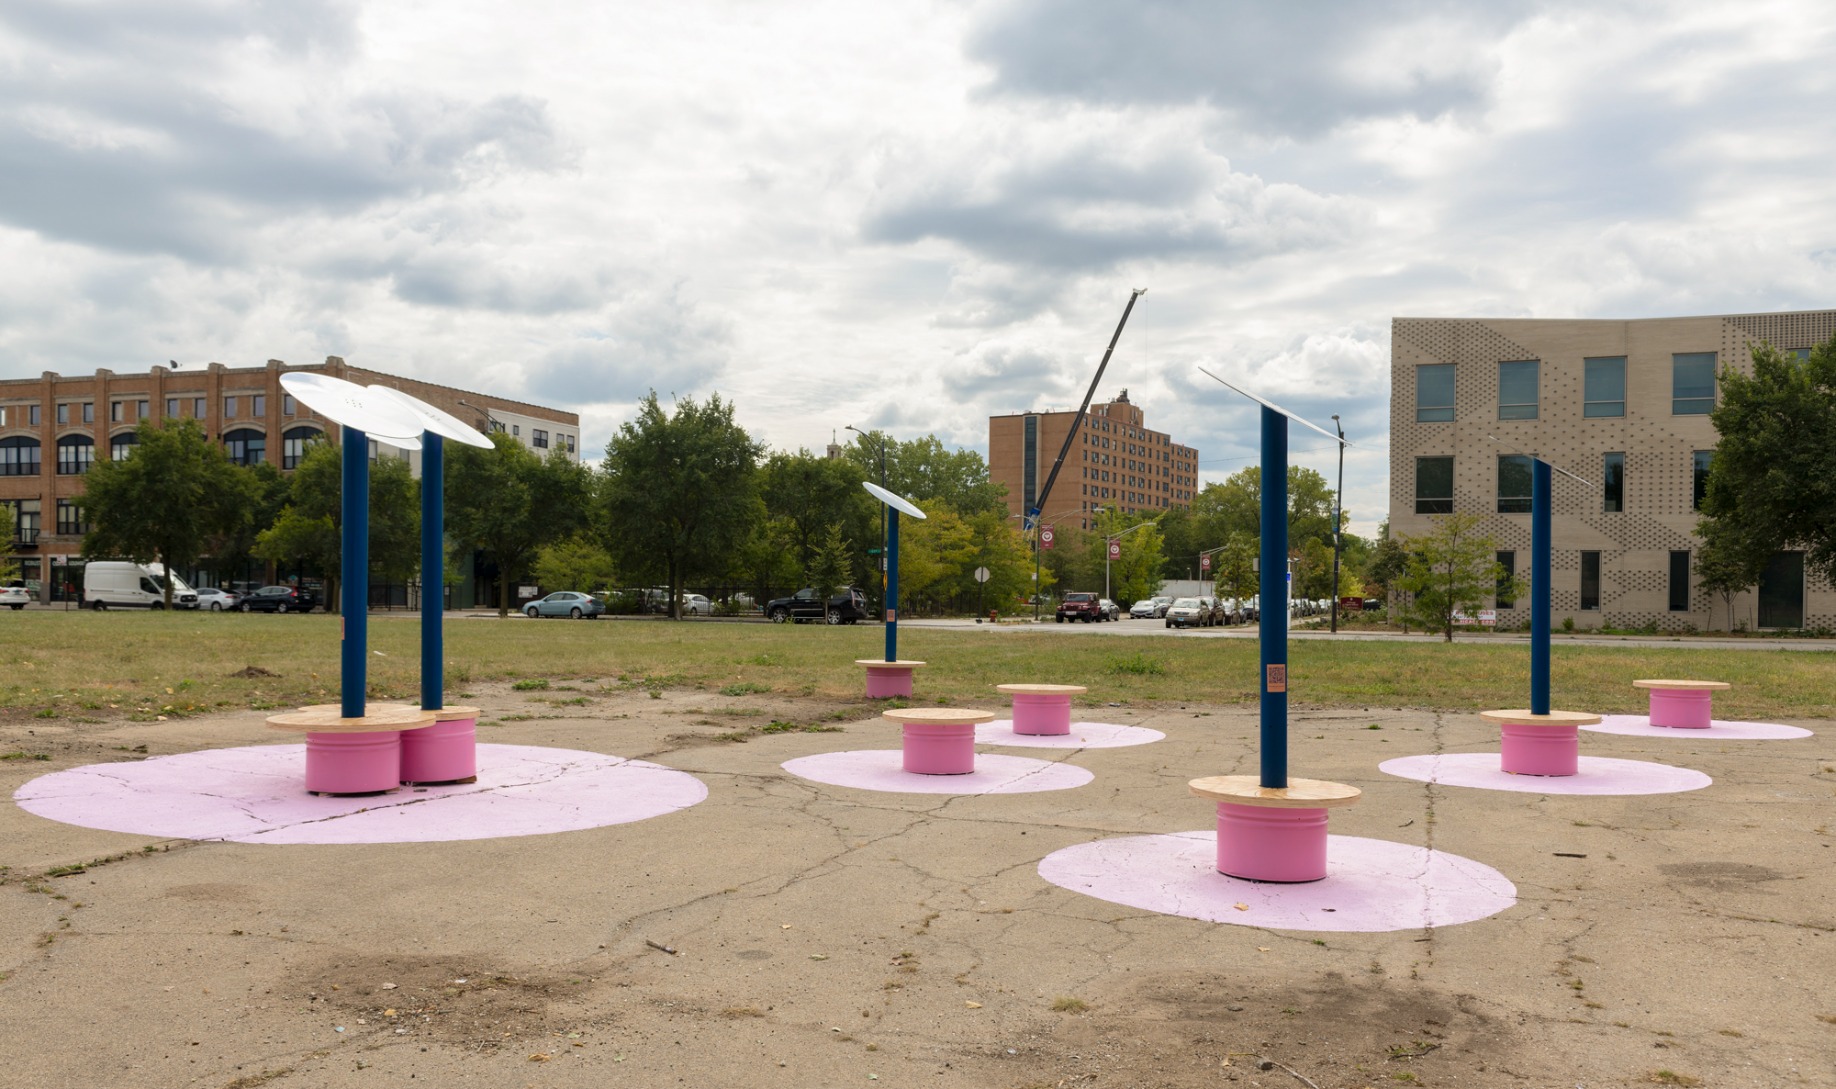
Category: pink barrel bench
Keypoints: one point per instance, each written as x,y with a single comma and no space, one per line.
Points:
1681,705
888,679
938,740
1042,709
446,752
353,755
1273,834
1531,744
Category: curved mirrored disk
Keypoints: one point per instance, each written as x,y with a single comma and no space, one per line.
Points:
896,502
432,419
1302,420
351,405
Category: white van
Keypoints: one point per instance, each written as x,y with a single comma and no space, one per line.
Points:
111,584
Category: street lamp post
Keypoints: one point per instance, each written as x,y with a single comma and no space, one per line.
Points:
881,443
1338,528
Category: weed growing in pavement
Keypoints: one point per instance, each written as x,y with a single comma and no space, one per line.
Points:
534,684
744,688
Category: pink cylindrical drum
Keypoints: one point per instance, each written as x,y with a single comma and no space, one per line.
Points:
353,763
1539,750
445,752
939,748
1265,843
1042,713
888,682
1681,709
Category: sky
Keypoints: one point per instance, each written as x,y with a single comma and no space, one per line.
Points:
903,215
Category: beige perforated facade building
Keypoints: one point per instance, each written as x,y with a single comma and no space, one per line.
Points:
1623,404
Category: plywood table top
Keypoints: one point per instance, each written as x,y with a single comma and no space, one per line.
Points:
1298,794
1556,720
882,663
1682,686
939,716
1042,689
329,719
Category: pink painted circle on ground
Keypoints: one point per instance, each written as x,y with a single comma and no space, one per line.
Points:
1640,726
882,769
1083,735
257,794
1370,885
1594,775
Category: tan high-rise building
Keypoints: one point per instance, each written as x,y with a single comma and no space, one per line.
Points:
1623,404
1115,463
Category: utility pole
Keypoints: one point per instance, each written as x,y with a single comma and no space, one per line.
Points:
1338,528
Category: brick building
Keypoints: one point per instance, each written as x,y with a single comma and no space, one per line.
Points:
1115,463
53,427
1623,404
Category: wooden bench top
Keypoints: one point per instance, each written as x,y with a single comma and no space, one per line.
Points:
443,714
1042,689
882,663
1556,720
1682,686
939,716
1298,794
329,719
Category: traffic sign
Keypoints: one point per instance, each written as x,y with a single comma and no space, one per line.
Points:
981,574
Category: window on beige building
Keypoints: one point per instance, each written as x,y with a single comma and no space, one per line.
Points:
1613,483
1590,581
1514,476
1434,393
1517,389
1604,387
1692,383
1434,485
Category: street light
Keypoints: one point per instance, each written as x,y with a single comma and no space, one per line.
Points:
492,422
881,443
1338,509
1107,538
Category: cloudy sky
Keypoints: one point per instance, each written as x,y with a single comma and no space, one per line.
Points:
904,215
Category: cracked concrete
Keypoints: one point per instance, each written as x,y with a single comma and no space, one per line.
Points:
825,935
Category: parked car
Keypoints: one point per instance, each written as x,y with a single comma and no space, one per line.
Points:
1079,606
278,599
117,584
696,605
1111,611
1150,608
217,600
570,603
1188,612
15,597
847,607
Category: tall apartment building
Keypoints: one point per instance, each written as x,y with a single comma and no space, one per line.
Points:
1115,463
1623,404
53,428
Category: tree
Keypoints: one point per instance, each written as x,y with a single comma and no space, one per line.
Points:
831,566
1387,564
309,530
1728,563
1233,568
173,492
578,562
1235,506
811,495
923,471
508,504
1453,570
1136,574
267,492
679,494
1774,479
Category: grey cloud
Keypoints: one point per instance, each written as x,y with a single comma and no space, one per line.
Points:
662,343
1089,207
1007,374
1298,69
116,137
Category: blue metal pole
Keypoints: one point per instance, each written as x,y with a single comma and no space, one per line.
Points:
433,571
1273,623
892,585
1539,586
354,604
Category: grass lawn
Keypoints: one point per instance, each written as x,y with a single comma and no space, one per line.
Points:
80,665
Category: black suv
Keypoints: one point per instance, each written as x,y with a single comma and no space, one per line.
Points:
846,607
278,599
